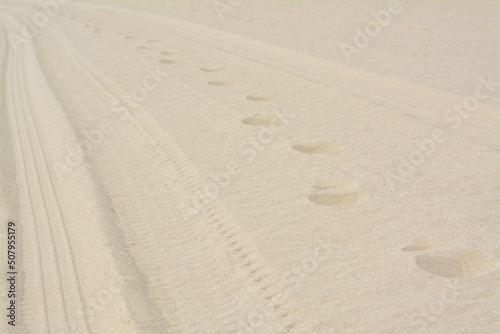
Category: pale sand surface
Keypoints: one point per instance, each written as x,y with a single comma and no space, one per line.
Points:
172,171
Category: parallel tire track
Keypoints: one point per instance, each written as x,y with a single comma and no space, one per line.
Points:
42,231
228,234
58,216
13,104
53,233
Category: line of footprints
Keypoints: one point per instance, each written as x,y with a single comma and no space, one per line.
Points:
325,192
339,193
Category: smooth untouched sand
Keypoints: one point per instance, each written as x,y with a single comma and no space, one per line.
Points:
169,171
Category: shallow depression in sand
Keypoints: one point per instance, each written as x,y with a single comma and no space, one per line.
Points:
336,192
170,52
213,68
317,147
262,96
331,199
219,83
262,120
173,61
459,264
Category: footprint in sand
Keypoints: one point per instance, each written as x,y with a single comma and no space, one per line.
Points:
317,147
213,68
170,52
173,61
458,264
220,83
336,192
261,96
263,119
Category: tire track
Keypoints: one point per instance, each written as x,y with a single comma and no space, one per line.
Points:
393,97
139,305
11,105
218,107
364,86
82,323
10,195
65,309
69,287
15,104
232,240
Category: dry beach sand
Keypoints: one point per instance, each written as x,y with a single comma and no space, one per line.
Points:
249,166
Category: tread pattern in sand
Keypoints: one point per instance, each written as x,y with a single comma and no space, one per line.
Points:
148,210
222,234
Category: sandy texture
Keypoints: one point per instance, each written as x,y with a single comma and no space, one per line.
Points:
182,167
